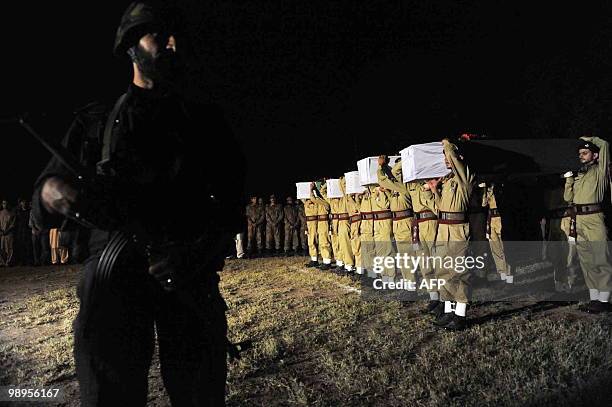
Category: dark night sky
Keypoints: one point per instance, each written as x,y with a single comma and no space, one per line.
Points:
311,87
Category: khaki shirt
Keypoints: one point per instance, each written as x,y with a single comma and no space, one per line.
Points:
400,198
291,215
253,213
274,214
7,221
457,186
589,186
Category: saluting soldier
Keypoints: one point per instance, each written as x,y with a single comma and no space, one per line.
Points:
586,190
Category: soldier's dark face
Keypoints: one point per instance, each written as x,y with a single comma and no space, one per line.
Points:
156,57
4,204
22,204
289,201
586,156
253,200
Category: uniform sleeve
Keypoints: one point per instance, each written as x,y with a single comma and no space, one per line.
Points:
460,170
430,199
602,165
318,198
568,193
390,183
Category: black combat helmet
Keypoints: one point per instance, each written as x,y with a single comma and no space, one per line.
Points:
140,18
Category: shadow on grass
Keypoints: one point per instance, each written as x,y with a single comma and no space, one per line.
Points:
508,313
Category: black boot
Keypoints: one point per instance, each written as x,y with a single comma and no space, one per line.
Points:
431,306
444,318
456,323
597,307
312,263
325,267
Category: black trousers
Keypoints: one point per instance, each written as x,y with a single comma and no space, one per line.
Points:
115,333
41,252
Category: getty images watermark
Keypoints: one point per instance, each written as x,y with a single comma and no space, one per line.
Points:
405,263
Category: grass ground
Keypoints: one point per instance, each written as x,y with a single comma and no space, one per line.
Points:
316,342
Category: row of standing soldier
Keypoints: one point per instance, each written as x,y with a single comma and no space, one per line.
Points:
274,224
434,213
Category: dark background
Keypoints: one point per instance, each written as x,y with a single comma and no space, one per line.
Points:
311,87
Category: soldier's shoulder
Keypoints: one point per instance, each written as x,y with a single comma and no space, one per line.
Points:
92,109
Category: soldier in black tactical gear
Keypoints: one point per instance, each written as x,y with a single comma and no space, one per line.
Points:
161,184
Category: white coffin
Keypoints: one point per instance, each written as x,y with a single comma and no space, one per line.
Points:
353,186
333,188
303,190
423,161
368,167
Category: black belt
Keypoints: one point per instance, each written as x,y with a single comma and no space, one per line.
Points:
355,218
311,218
494,212
587,209
559,213
322,218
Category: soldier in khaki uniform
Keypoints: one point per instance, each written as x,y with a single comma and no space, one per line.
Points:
494,229
334,211
366,232
292,226
560,238
310,212
451,204
383,228
353,205
253,214
323,209
303,227
344,231
274,220
424,232
7,229
401,209
586,190
261,222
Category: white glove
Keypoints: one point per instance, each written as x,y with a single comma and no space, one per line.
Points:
568,174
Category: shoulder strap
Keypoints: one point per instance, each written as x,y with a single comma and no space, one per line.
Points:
108,143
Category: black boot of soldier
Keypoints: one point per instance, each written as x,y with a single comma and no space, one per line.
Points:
325,267
456,323
312,263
